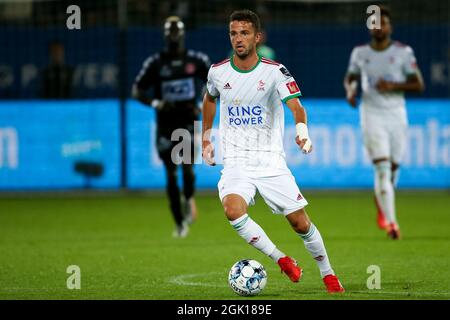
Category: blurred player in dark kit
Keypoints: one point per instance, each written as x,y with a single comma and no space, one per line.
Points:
174,74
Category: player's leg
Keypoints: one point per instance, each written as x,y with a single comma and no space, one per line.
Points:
190,207
281,193
393,229
398,139
172,189
313,241
376,141
395,172
235,208
236,193
384,189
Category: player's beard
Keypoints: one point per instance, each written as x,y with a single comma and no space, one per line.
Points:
379,37
245,53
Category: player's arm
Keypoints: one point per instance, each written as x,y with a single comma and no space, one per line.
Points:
299,113
202,72
145,79
140,95
351,85
414,80
413,83
209,112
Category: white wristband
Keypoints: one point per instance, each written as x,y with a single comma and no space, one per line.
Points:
156,104
302,131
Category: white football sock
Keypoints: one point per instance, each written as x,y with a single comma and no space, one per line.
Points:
394,177
384,190
254,235
314,244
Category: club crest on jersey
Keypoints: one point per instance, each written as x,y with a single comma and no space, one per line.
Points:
292,86
261,85
227,86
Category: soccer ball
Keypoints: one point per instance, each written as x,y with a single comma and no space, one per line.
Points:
247,277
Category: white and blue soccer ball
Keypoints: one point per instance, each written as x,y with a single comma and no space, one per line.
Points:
247,277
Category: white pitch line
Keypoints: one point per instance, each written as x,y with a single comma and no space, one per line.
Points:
183,280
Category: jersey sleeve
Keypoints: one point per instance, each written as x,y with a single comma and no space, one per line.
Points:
211,85
353,65
287,88
147,75
410,62
204,65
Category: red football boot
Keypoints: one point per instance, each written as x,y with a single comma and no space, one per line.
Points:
381,220
332,283
290,268
393,231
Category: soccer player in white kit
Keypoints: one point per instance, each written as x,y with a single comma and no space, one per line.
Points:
251,90
386,70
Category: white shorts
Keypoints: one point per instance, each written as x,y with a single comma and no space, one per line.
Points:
280,192
385,136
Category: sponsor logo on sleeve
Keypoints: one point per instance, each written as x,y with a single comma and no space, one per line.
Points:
292,86
285,72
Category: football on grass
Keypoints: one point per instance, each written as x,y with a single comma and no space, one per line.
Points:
247,277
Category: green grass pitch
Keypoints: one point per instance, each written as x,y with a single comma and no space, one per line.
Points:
124,248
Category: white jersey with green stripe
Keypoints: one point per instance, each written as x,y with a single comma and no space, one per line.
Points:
251,113
395,64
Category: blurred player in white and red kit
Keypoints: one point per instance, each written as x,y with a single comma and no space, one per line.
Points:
251,90
386,70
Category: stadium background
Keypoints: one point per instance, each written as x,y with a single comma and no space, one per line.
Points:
122,241
42,141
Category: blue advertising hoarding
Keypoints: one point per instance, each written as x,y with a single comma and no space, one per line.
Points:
339,159
40,143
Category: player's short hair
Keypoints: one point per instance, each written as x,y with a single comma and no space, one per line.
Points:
55,43
385,11
247,15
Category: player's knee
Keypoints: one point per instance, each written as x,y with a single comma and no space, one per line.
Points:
300,222
233,210
302,226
